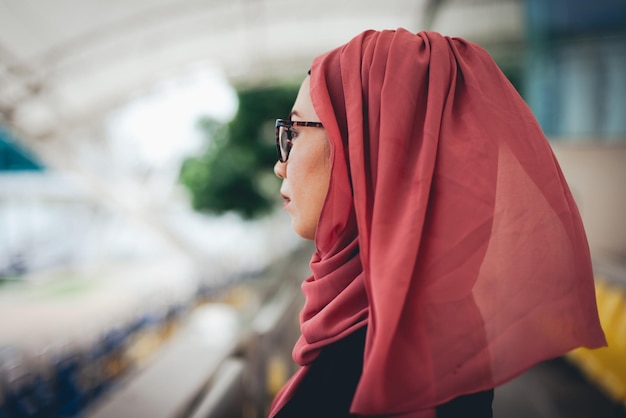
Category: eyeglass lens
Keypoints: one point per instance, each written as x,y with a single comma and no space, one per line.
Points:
284,136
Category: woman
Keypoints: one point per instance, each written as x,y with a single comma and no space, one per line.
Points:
450,255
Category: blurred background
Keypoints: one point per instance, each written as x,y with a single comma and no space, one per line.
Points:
146,266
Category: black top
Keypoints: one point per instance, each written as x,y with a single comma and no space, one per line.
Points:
328,387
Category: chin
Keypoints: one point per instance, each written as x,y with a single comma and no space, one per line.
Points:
303,231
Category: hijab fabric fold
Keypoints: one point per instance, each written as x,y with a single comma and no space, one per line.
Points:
448,227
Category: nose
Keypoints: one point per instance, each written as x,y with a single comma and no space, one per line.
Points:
280,169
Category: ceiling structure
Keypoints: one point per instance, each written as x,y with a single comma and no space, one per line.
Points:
67,64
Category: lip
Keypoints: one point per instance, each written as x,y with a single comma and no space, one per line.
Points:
286,199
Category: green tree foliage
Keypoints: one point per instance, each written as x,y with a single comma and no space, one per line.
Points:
235,172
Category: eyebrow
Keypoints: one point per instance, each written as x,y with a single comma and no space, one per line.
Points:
294,113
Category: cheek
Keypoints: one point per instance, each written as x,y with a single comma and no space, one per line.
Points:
317,185
306,183
309,171
309,181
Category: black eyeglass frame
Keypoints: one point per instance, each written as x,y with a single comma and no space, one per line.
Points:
284,136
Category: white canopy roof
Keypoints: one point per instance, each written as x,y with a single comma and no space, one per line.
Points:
65,63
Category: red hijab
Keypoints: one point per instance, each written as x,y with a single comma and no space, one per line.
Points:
448,227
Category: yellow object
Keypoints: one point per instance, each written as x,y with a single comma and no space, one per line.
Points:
607,366
277,375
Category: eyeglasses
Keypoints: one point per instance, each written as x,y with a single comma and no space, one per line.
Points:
284,136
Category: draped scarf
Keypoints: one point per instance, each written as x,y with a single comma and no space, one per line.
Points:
448,227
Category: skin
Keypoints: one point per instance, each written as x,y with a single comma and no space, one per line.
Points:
306,174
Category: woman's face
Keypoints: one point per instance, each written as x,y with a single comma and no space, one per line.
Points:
306,173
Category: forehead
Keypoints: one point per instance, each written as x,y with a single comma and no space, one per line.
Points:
303,106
